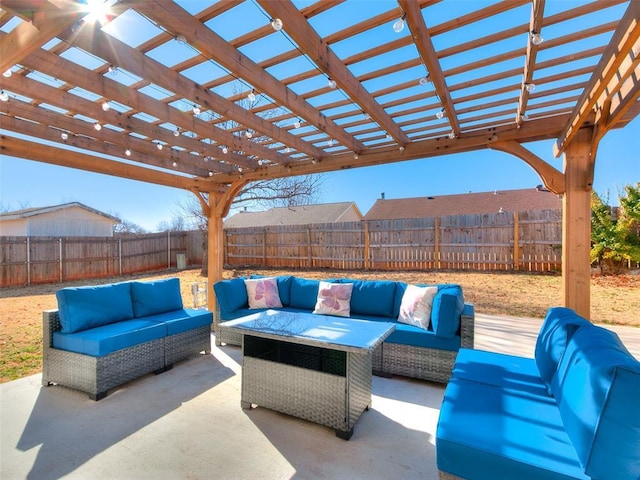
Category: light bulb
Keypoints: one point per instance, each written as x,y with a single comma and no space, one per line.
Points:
97,126
105,106
175,164
388,136
287,150
330,142
401,148
225,149
452,135
297,124
536,38
113,70
127,152
398,25
196,110
206,159
181,39
252,96
176,132
332,83
276,23
64,135
3,96
7,73
440,114
423,81
249,133
210,173
530,87
159,146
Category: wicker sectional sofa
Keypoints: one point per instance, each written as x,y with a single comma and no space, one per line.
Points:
104,336
572,412
428,354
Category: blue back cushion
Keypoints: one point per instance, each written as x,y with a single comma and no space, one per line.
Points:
231,295
557,329
446,309
81,308
371,297
597,389
304,293
159,296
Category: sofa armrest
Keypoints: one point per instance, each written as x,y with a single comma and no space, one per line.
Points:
467,326
50,324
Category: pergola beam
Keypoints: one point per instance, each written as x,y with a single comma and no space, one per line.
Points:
620,46
422,39
535,27
328,62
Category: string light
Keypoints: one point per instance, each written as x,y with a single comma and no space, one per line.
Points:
225,149
330,142
423,81
105,106
398,25
530,87
332,83
452,135
248,133
97,126
210,173
64,135
181,39
297,123
440,113
159,146
7,73
536,38
276,24
127,152
176,132
3,96
175,164
252,96
196,110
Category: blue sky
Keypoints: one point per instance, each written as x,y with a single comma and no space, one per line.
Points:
25,183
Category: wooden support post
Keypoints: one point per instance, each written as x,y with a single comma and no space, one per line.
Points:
516,241
576,223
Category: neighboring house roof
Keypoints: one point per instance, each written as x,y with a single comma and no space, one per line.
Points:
299,215
31,212
464,204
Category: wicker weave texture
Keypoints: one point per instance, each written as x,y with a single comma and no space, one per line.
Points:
97,375
417,362
183,345
331,400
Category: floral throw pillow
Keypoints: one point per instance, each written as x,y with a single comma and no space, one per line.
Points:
263,292
415,308
334,299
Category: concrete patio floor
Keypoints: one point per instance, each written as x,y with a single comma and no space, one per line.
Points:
187,424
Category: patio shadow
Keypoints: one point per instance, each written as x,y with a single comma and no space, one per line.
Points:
71,429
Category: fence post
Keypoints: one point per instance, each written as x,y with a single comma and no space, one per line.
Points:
309,260
516,240
28,260
60,256
120,256
367,247
168,249
436,242
264,246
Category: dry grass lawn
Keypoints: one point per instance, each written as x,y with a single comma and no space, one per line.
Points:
614,300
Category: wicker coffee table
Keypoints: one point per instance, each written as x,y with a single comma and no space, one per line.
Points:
314,367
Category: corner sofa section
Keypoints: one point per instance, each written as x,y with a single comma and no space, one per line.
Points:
104,336
411,351
572,412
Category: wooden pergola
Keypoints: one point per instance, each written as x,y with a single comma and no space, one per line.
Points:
242,90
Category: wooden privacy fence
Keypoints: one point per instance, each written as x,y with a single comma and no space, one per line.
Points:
32,260
529,240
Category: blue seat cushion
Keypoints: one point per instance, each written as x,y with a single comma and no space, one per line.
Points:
158,296
557,329
231,295
597,387
83,308
418,337
500,370
304,293
183,320
487,432
372,297
106,339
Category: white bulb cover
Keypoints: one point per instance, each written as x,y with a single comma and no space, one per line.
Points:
251,97
398,25
4,97
7,73
64,135
276,24
105,106
423,81
530,87
536,39
332,83
440,114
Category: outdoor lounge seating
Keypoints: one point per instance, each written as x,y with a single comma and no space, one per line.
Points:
572,412
425,352
104,336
